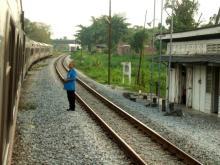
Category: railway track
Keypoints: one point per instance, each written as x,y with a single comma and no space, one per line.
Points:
141,143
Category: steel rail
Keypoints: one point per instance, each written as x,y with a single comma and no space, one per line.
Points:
151,133
173,149
127,149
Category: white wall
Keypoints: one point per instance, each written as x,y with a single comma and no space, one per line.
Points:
208,102
194,47
219,98
175,83
199,87
172,85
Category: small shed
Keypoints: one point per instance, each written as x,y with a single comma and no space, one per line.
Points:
123,49
195,68
74,47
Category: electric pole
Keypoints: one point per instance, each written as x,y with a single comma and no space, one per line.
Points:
170,58
109,43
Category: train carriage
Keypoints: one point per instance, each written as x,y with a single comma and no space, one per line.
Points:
17,53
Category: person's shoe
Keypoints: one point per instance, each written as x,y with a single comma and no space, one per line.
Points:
70,109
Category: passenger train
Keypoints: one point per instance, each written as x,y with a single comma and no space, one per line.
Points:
17,54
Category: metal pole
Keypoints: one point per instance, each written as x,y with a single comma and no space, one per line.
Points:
151,75
170,58
159,66
109,44
145,18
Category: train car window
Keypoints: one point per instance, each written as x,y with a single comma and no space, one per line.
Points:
21,58
32,51
7,85
27,54
17,61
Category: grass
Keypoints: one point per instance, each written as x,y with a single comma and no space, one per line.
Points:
96,67
27,106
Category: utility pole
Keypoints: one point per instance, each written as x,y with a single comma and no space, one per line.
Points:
141,52
170,58
152,56
109,43
159,66
217,18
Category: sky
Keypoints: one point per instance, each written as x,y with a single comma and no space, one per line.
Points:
63,16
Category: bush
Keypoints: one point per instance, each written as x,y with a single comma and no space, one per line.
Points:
96,67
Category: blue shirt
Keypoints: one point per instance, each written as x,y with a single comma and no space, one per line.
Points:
71,77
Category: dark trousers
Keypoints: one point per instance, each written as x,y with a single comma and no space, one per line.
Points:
71,98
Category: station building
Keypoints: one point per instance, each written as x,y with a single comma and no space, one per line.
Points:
195,68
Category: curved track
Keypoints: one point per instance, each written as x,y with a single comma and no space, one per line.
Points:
140,142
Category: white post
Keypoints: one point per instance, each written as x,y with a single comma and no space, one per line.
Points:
126,71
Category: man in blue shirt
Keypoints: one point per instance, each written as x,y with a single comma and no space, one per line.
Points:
69,86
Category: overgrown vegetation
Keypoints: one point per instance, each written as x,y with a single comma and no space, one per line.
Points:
96,35
25,106
96,67
37,31
183,15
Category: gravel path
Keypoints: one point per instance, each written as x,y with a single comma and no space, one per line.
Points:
48,134
196,133
150,152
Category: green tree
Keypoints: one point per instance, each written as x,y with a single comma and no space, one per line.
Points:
138,39
84,36
37,31
183,18
97,32
119,29
137,43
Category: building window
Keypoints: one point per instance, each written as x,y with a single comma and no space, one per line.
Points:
213,48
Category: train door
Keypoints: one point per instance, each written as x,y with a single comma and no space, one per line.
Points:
7,88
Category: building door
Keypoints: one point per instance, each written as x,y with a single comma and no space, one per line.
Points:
189,85
199,79
215,90
196,87
183,85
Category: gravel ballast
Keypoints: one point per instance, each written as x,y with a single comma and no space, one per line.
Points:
48,134
196,133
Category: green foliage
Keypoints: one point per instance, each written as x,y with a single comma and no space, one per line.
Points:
84,35
119,28
37,31
184,12
97,32
96,67
138,39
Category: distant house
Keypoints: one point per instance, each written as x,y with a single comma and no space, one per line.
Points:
149,50
195,68
74,47
101,47
62,44
123,49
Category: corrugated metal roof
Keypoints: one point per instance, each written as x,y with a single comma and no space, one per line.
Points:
211,32
193,59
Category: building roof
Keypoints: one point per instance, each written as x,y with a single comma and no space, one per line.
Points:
215,59
198,34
